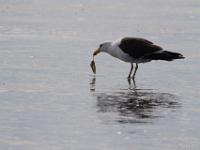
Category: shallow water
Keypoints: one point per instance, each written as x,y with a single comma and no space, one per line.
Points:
49,98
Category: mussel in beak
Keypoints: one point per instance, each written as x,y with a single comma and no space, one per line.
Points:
93,66
97,51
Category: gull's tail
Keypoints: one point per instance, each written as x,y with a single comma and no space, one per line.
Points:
164,55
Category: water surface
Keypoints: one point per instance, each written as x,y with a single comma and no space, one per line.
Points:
49,98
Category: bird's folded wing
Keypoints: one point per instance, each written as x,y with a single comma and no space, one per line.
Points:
138,47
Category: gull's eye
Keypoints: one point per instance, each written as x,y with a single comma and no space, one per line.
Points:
100,45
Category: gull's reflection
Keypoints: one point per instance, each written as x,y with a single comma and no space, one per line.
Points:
135,105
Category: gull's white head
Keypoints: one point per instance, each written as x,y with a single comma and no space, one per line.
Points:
104,47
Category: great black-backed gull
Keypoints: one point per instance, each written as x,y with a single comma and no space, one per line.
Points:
135,50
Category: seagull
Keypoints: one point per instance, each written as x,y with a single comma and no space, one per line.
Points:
136,50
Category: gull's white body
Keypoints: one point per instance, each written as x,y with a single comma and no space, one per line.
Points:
113,49
136,50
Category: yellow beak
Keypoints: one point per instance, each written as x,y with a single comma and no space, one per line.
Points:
96,51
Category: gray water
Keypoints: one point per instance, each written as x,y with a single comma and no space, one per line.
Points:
50,99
